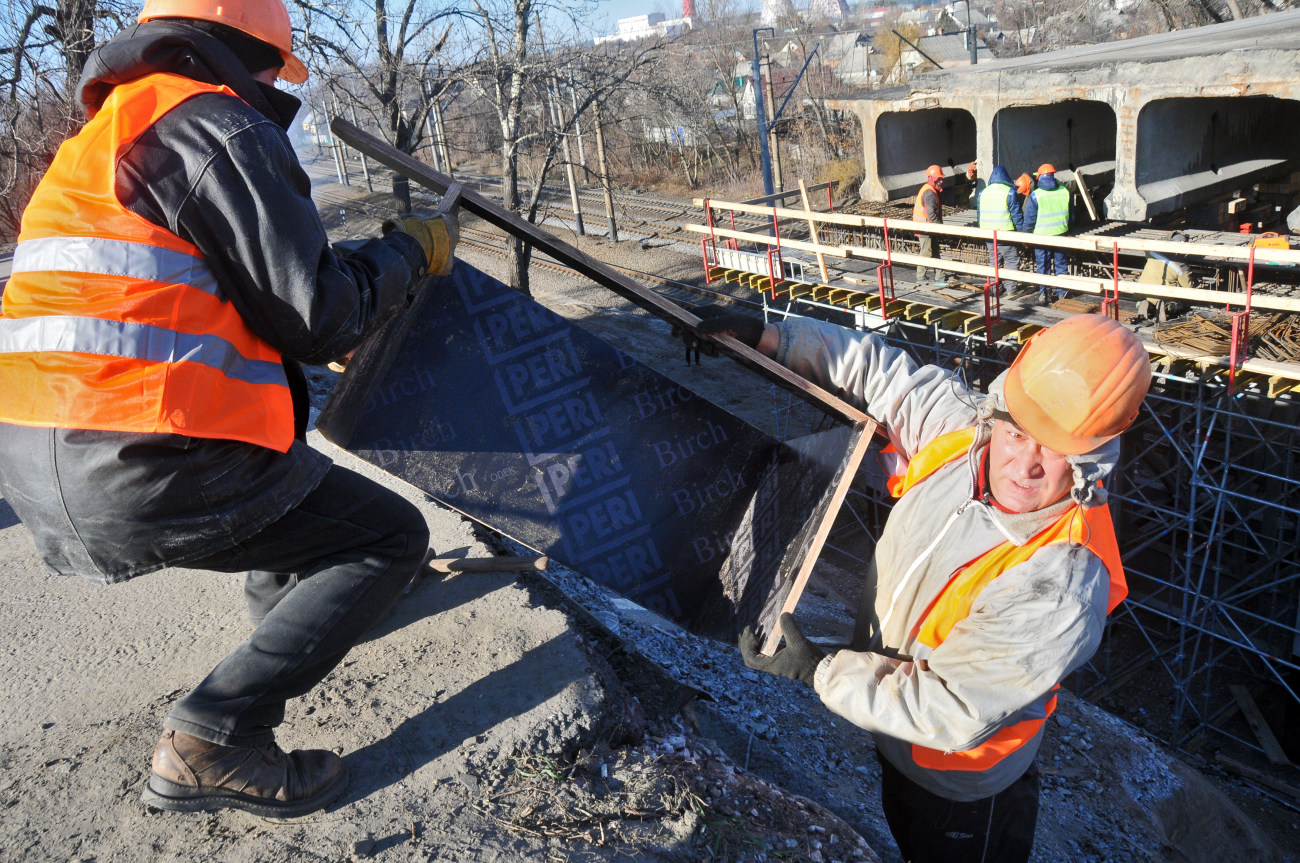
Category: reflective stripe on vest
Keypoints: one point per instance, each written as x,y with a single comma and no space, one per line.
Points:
1090,527
995,215
1053,211
112,322
918,206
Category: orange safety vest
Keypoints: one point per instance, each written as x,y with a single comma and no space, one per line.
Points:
918,206
1091,527
112,322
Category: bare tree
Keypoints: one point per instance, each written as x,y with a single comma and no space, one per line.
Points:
375,56
43,49
514,69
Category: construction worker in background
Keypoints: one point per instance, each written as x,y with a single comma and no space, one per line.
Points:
927,208
1163,270
976,185
170,273
1000,210
1047,213
1024,185
992,579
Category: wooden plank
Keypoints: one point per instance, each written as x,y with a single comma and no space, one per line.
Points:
1081,184
820,530
1258,724
1078,284
812,231
1086,243
1257,776
488,564
597,271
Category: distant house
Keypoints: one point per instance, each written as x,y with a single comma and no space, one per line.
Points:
652,26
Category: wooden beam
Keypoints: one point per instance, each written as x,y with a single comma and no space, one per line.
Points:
597,271
812,231
1082,185
488,564
1078,284
1257,723
1127,245
1257,776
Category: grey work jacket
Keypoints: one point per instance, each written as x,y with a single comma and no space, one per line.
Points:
1028,628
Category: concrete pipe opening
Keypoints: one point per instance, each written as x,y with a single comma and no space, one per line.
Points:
1194,149
1076,135
908,142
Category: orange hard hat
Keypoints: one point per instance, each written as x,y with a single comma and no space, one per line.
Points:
1024,184
266,20
1046,168
934,172
1078,383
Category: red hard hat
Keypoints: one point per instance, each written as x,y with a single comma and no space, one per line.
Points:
1046,168
934,172
266,20
1078,383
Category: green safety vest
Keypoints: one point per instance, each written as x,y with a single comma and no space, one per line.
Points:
1053,211
995,215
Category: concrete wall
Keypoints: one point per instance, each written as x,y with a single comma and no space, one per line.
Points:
1191,148
1156,123
908,142
1074,134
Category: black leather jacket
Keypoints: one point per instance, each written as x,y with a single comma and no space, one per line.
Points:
219,172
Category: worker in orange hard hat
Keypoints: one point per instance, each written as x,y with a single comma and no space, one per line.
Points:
926,208
1047,213
170,275
994,574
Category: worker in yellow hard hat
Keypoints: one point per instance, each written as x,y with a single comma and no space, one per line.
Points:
170,275
994,574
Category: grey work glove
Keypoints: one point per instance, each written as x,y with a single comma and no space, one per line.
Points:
798,660
716,321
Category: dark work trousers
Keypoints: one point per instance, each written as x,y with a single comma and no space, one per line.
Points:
929,249
321,576
1008,258
932,829
1055,258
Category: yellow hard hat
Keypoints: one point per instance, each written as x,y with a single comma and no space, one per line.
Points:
266,20
1078,383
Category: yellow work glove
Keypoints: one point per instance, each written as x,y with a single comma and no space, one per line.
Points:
436,235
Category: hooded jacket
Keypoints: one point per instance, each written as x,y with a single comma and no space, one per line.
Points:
999,178
1048,183
1028,629
218,172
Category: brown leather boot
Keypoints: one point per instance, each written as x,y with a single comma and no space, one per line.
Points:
192,775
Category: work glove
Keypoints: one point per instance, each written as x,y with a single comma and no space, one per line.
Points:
798,660
436,235
718,321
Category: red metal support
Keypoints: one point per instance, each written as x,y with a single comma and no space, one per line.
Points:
885,274
830,198
1110,301
1241,327
780,270
992,296
710,240
732,241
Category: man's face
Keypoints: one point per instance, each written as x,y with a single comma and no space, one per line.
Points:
1024,475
